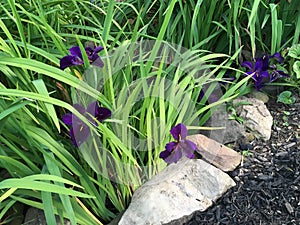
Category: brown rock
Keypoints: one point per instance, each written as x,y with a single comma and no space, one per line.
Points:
215,153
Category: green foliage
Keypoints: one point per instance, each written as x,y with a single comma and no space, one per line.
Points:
296,68
294,53
225,26
246,153
286,97
233,114
285,118
231,109
148,93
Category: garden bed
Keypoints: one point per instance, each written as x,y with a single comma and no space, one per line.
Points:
268,180
89,91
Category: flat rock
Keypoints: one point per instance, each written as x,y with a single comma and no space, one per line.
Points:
257,118
217,154
174,194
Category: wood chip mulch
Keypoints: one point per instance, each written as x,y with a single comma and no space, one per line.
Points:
268,180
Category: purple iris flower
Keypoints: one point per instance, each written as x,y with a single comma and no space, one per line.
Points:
275,73
258,70
80,131
278,57
75,57
264,70
174,149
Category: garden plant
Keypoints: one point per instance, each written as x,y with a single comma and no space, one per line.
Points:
96,97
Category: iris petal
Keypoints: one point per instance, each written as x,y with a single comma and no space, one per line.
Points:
277,74
98,62
171,146
191,145
265,62
67,119
264,74
79,133
171,153
258,65
77,61
281,73
247,64
189,148
174,150
263,71
93,53
73,138
66,61
164,154
179,131
98,49
79,108
75,51
92,108
173,157
102,113
89,51
258,84
278,57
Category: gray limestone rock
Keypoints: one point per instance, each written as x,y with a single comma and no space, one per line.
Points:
257,118
234,131
176,193
259,95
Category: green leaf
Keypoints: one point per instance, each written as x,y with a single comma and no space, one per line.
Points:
48,204
42,89
6,207
17,167
108,20
296,68
286,97
25,183
54,73
12,108
54,169
294,51
49,177
253,14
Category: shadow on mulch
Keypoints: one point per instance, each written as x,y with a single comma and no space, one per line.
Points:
268,180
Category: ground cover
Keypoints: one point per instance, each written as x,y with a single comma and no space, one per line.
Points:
268,187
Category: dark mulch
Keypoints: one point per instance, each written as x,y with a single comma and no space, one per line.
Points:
268,180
